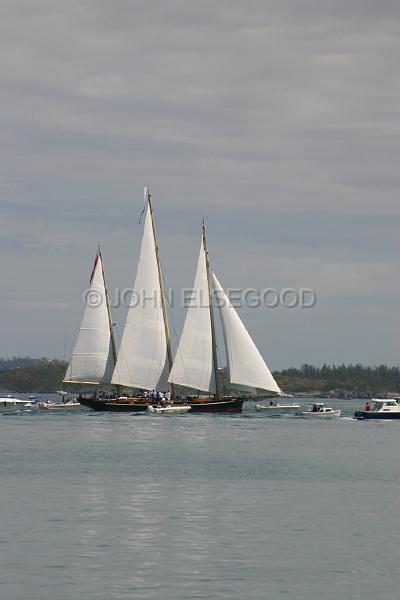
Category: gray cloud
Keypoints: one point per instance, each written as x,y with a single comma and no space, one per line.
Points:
279,121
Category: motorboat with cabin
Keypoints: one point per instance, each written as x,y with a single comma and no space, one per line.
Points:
317,410
388,408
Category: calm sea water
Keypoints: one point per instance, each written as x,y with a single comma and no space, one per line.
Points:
107,506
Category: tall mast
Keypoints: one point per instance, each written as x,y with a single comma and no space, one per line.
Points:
110,323
213,336
163,302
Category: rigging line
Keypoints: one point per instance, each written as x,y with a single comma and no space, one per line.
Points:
211,309
120,355
217,345
153,369
141,214
172,319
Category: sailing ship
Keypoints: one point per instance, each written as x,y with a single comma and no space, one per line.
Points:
144,357
196,360
93,358
144,360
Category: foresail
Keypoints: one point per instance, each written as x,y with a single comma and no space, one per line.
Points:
142,357
246,366
92,358
193,364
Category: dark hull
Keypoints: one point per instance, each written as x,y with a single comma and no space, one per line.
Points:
231,405
362,415
109,405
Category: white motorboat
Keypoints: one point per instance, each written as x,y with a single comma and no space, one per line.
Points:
69,404
380,409
319,411
278,408
170,409
10,404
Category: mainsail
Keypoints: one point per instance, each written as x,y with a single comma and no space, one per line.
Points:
193,366
143,356
246,366
93,357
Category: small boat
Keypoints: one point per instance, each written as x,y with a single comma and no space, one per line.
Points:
381,409
170,409
319,411
10,404
69,404
278,408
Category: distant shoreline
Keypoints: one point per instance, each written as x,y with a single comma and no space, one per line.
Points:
31,375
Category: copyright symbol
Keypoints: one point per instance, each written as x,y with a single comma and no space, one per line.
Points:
92,298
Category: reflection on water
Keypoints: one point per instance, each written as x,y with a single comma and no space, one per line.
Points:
101,506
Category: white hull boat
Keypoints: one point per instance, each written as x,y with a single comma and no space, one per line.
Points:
319,411
71,404
12,404
278,408
170,410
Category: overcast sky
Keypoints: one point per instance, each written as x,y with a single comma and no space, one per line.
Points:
276,120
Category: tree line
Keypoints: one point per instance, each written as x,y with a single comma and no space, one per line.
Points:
21,362
351,377
43,374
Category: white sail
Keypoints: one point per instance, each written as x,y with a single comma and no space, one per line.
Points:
92,359
246,366
142,357
193,365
